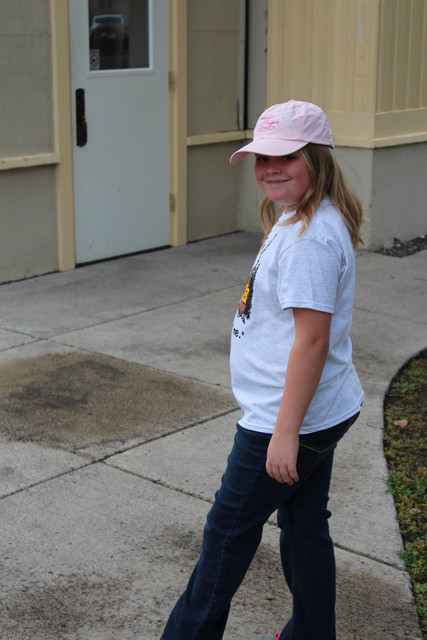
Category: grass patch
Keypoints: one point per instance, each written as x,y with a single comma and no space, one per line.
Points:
405,419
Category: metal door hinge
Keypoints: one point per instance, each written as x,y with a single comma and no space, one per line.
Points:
171,203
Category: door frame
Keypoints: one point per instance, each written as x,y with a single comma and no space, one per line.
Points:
62,124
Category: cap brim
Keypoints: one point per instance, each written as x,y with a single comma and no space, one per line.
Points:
268,147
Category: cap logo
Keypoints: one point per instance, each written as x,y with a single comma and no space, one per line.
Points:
266,123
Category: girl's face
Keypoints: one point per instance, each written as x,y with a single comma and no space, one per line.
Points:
284,179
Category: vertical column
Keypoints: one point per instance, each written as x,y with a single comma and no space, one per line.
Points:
178,119
62,133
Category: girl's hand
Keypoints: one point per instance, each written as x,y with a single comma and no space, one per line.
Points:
282,456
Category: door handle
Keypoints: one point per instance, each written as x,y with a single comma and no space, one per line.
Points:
81,124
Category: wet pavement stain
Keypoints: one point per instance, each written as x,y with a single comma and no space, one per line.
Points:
76,400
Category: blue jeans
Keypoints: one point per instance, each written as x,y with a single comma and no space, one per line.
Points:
246,499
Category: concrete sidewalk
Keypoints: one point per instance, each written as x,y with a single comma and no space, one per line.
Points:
116,418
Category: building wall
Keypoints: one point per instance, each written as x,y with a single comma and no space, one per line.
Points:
219,108
399,180
390,182
215,72
357,165
363,62
213,192
214,98
250,194
28,239
28,242
402,55
257,35
26,77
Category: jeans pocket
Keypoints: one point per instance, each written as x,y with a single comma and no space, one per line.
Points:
309,456
316,449
325,440
313,447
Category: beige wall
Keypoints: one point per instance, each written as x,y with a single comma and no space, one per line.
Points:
215,76
257,60
213,191
215,80
28,242
26,78
217,105
250,196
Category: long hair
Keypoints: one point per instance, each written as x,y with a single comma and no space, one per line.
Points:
326,179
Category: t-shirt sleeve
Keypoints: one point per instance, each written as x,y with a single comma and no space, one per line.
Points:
309,274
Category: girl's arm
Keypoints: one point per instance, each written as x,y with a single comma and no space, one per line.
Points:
305,366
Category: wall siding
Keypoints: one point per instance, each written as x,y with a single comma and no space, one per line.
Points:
324,51
363,61
402,56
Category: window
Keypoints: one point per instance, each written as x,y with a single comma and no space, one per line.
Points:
119,34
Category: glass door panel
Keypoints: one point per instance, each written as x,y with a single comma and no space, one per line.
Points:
119,34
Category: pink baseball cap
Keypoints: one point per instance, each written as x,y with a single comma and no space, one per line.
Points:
285,128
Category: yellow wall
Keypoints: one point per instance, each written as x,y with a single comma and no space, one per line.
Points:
362,61
402,55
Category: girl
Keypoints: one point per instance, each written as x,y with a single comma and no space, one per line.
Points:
293,377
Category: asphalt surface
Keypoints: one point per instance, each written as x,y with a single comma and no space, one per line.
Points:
116,418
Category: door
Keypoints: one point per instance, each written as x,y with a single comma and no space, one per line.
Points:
120,110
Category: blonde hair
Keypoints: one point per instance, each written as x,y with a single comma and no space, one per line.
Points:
326,179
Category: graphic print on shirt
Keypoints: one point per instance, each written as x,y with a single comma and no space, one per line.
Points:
245,307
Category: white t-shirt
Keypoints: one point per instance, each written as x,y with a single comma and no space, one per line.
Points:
316,271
